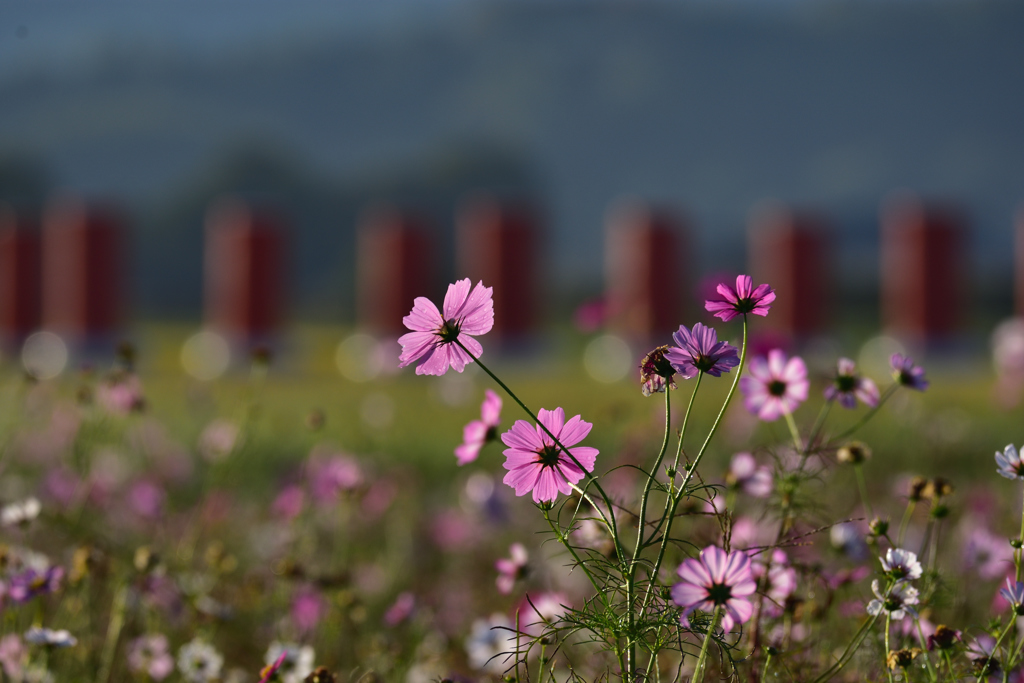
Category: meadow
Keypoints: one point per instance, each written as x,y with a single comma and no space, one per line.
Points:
285,515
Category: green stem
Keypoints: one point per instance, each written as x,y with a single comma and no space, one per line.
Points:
1019,552
859,471
907,514
575,556
885,655
591,479
889,391
844,658
795,433
764,673
932,674
1009,625
686,420
650,481
113,634
677,496
699,671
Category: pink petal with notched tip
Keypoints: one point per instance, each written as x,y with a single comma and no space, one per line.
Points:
554,420
573,431
455,297
522,435
694,571
424,316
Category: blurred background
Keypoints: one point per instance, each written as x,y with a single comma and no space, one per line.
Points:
249,167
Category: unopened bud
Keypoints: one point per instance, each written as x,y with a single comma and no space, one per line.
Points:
916,491
853,453
879,527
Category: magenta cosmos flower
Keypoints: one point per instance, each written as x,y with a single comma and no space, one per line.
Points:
716,579
535,464
776,386
466,314
906,373
745,298
848,386
480,432
698,350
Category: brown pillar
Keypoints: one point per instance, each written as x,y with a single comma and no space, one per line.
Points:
82,247
244,270
791,251
644,271
923,268
497,244
394,265
20,281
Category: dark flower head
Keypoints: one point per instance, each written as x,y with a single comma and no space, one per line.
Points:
742,299
656,372
848,387
916,489
906,373
943,638
853,453
698,350
901,658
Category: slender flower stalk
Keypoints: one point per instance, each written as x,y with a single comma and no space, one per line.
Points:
701,668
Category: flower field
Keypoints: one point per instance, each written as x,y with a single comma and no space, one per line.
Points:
723,514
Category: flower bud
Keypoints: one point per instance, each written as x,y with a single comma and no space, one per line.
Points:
901,658
916,491
937,488
853,453
1016,543
879,527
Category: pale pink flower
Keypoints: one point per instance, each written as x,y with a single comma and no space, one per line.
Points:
744,473
289,502
466,315
716,579
330,474
13,656
780,584
745,298
146,498
149,655
121,394
218,440
480,432
536,464
776,386
512,568
401,609
308,607
848,386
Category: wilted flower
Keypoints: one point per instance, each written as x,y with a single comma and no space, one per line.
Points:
491,643
1009,462
776,386
512,568
480,432
745,474
297,662
901,565
901,658
943,638
149,655
848,386
199,662
22,512
656,372
906,373
466,315
50,637
536,464
897,602
853,453
741,300
716,579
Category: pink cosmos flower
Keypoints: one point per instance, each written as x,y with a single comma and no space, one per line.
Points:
289,502
307,609
541,610
401,609
776,386
745,474
780,584
466,314
536,464
698,350
511,569
848,386
741,300
716,579
906,373
478,433
149,655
